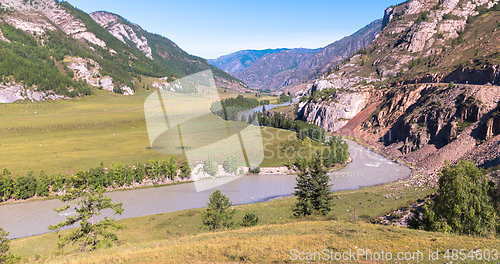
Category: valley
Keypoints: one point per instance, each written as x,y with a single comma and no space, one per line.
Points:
386,140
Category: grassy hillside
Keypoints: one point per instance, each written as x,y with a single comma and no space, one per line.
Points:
65,136
178,237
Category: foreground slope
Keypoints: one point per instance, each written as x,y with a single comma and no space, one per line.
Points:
426,89
178,237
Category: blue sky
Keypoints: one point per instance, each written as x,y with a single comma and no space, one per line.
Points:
218,27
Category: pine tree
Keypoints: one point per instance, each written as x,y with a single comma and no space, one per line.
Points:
313,187
88,202
5,256
218,213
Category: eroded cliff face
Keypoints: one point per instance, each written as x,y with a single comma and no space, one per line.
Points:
39,16
412,89
413,32
431,124
124,32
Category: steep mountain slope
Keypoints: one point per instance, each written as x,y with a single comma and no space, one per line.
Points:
274,69
425,90
160,49
52,50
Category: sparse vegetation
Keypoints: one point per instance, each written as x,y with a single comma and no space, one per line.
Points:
423,17
450,16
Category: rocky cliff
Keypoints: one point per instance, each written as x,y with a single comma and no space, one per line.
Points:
275,69
426,90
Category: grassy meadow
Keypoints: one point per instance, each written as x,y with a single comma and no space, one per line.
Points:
178,237
68,135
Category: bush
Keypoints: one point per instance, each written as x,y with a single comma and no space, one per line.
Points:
230,165
254,170
285,98
185,170
424,16
218,214
250,219
210,167
462,204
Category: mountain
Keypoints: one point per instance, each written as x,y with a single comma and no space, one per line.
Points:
426,90
241,60
275,69
53,50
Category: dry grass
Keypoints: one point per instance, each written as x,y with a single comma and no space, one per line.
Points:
274,244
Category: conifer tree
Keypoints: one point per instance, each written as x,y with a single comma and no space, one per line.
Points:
218,213
88,203
313,187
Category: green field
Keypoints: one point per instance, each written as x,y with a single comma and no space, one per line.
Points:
177,237
66,136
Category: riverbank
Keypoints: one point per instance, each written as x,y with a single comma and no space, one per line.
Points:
366,169
358,206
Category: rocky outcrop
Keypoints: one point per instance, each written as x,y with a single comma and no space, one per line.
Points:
430,82
89,71
124,32
37,17
10,93
334,116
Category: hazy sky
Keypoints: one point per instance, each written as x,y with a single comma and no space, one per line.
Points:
218,27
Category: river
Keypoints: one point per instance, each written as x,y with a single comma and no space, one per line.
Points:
366,169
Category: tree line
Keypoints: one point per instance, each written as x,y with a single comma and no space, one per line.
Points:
229,109
43,185
282,121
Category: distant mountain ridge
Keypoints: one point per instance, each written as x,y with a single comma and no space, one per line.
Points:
274,69
240,60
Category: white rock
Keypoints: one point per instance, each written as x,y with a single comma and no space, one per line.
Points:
10,93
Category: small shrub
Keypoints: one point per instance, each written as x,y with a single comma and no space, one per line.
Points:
210,167
254,170
249,219
424,16
230,165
